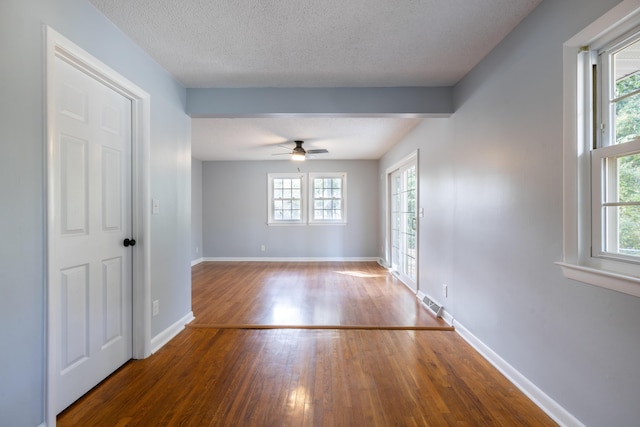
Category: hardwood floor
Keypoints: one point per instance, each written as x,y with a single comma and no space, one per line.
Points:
229,376
304,294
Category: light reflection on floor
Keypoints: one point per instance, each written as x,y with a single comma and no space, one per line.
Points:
285,313
358,274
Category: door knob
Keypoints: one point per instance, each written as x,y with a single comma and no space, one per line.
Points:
129,242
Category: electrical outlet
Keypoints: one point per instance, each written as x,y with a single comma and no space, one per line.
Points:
263,248
445,290
197,250
156,307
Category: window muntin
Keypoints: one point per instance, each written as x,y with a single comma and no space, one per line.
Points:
287,199
328,198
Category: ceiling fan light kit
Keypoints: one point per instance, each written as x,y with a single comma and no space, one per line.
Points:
299,154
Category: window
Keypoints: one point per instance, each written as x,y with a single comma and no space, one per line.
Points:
328,196
286,199
288,202
615,160
602,152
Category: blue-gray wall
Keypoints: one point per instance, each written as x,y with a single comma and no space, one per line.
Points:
234,203
495,170
22,186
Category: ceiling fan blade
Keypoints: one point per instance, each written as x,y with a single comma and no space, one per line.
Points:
319,151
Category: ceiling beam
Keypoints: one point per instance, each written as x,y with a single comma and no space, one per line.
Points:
420,102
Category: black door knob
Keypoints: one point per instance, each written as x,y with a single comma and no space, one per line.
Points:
129,242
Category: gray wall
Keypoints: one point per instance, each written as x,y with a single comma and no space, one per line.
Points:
496,168
196,209
22,191
235,212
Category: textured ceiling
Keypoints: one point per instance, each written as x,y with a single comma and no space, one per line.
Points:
312,43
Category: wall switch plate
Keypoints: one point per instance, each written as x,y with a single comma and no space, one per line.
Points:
445,290
156,307
263,248
155,207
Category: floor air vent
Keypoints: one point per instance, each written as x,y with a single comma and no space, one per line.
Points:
437,309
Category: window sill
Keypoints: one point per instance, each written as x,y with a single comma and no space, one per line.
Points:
605,279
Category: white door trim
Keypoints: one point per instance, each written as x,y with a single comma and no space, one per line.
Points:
57,46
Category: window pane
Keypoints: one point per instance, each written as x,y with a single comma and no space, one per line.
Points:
277,183
286,194
623,175
629,178
626,75
336,194
295,194
624,226
627,119
626,67
295,183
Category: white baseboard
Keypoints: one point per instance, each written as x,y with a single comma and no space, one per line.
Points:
544,402
165,336
196,261
291,259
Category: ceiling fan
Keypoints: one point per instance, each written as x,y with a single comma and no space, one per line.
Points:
300,154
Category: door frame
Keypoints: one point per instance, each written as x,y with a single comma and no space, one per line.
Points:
413,157
58,46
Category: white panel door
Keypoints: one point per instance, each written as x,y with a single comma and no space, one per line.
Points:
91,288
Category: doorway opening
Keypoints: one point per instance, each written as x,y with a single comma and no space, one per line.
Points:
402,186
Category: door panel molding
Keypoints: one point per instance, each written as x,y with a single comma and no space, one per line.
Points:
59,47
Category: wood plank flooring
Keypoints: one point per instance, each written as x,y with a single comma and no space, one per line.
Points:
304,294
305,377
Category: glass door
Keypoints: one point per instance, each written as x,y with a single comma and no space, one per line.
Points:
404,223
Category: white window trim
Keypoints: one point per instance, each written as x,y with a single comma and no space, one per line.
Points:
314,175
578,264
303,205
